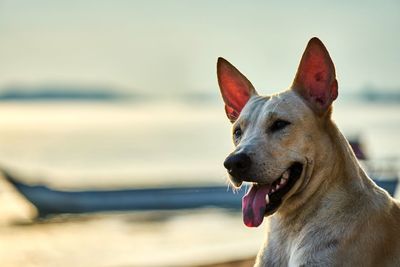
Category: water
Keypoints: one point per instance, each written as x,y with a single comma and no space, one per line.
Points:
115,145
142,144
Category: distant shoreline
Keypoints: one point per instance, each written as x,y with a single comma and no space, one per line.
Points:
56,93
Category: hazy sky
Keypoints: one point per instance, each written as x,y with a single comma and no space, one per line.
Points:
169,46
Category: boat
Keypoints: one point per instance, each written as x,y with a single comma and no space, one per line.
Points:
49,201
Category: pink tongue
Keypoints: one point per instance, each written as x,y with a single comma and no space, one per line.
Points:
254,205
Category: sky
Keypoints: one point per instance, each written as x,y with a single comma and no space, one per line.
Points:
172,46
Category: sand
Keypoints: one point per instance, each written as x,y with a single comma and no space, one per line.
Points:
205,237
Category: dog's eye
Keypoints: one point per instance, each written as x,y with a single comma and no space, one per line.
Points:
237,133
278,125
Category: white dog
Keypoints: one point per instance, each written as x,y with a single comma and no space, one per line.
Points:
326,211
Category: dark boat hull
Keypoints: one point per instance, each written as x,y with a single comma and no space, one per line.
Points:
49,201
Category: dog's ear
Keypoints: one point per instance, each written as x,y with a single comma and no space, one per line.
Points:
315,79
235,88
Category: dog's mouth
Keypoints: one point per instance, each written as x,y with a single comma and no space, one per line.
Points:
264,199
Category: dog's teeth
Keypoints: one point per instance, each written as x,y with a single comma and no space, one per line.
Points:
283,181
267,199
273,190
285,175
277,187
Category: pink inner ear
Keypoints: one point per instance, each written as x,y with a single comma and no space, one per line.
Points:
234,92
319,88
235,88
315,78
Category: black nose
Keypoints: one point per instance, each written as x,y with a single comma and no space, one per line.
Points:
238,165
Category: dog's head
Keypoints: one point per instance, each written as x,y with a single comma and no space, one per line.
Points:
277,138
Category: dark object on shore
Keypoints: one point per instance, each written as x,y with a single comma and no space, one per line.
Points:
357,149
385,178
389,185
50,201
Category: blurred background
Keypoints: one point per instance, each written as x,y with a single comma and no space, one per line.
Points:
110,97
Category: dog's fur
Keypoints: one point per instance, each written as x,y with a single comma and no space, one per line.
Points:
334,215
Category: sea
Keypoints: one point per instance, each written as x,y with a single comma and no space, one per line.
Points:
78,145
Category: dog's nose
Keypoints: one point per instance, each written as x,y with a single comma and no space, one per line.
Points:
238,164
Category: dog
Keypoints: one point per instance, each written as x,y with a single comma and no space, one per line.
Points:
323,208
